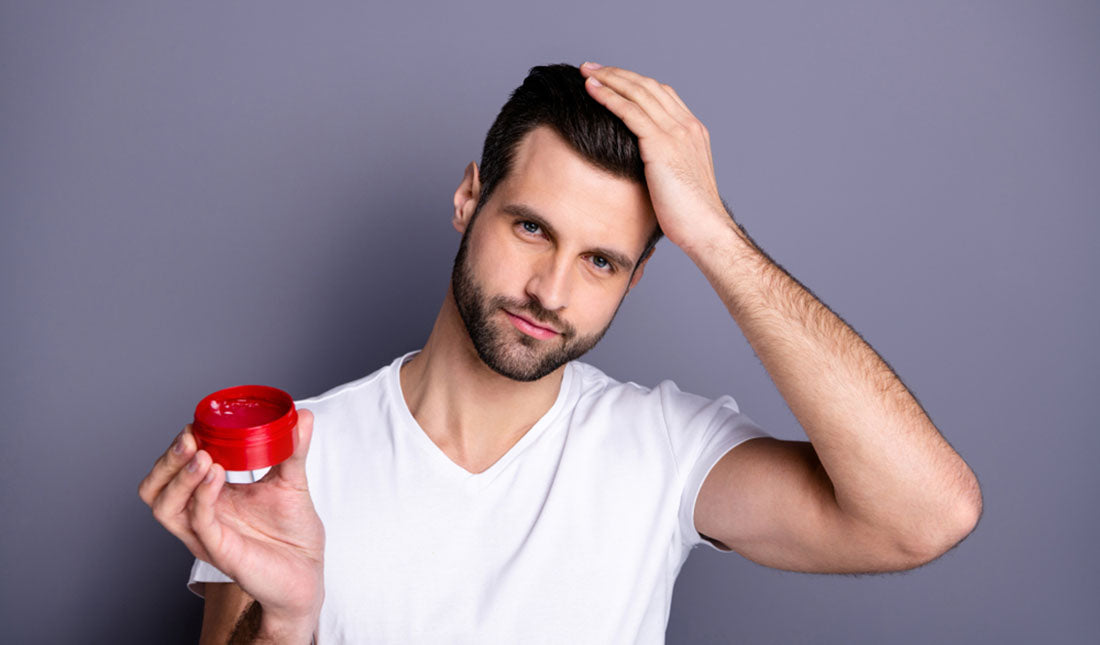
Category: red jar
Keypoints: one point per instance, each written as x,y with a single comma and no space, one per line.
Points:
247,427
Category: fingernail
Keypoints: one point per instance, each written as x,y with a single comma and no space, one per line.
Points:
193,464
595,81
591,65
178,447
209,476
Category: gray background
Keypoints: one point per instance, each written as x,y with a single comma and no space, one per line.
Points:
196,195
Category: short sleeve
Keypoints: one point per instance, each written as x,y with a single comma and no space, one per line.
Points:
701,431
201,573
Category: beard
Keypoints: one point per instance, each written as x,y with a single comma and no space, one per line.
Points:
510,352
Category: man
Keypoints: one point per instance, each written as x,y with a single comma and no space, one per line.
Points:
490,488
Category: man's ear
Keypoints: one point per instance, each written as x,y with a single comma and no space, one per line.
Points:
640,269
466,197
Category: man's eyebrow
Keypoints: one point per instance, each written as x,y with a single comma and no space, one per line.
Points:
526,212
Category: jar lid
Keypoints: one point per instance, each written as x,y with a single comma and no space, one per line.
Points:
247,427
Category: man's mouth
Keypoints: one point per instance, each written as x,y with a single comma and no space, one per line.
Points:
529,327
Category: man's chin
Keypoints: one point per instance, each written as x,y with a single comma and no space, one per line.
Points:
523,366
517,377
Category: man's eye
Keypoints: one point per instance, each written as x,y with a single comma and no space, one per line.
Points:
530,227
601,262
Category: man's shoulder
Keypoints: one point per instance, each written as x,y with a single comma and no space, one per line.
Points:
593,382
666,395
597,383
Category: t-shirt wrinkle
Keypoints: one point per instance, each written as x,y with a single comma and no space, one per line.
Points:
668,438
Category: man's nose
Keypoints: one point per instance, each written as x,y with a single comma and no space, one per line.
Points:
550,282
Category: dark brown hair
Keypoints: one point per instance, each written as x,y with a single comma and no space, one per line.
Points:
554,95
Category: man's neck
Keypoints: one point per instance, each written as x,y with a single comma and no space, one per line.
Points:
472,413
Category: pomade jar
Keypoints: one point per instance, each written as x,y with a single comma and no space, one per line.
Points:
247,429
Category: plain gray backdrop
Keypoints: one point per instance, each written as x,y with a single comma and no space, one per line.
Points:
202,194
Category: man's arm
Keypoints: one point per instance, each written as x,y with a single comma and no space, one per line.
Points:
232,616
224,607
878,487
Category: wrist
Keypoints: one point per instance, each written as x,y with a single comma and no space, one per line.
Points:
715,234
290,617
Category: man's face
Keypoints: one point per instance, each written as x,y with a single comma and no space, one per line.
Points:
540,275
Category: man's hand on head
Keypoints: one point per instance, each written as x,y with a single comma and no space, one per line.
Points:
675,148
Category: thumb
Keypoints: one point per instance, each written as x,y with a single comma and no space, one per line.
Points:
293,470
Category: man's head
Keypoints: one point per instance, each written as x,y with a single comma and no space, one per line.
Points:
564,227
554,96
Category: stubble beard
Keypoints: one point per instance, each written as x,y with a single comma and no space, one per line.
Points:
509,352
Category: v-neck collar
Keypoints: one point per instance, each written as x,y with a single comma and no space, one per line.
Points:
446,466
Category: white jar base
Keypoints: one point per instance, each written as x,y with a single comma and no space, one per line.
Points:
245,476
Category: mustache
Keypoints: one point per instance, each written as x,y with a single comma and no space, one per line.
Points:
536,312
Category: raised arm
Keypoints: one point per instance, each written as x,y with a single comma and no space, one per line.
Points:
878,487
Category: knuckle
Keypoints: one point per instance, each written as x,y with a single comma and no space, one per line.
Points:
160,514
143,492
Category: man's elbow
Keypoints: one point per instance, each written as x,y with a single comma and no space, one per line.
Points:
946,531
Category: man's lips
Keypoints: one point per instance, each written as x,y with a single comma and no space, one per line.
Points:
530,328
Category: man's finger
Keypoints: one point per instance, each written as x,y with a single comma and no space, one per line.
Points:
673,94
293,470
203,521
635,118
676,109
167,466
170,505
646,92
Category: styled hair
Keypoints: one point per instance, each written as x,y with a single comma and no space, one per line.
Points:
554,95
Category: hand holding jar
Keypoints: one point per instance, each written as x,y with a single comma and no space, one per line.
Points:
265,535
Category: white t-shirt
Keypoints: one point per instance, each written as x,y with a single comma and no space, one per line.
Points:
576,535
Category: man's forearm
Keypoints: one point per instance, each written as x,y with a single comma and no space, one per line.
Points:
254,629
889,465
